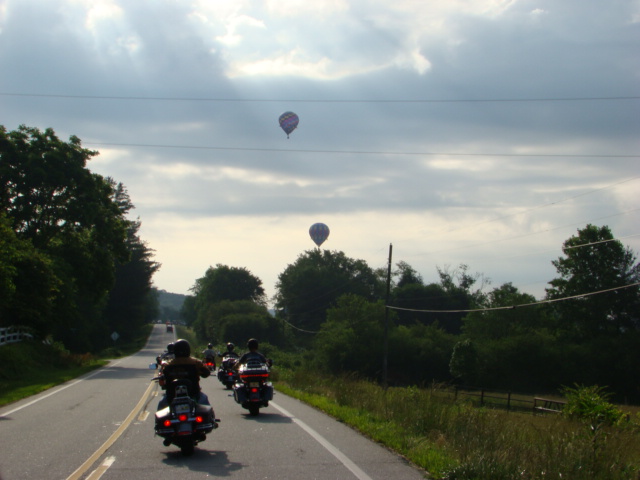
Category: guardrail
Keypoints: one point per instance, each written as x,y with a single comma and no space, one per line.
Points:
13,335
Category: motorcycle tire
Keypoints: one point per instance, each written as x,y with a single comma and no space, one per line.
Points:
254,410
187,448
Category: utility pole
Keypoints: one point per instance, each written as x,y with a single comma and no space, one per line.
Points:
385,356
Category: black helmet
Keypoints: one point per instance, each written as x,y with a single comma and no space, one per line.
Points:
230,347
252,344
182,348
210,345
170,347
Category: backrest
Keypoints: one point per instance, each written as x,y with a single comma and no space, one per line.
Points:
181,375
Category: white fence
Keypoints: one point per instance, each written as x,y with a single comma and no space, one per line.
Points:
13,335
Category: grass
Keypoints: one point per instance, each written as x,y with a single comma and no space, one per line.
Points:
455,440
27,368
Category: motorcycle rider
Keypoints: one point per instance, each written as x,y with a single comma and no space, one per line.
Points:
252,354
210,355
230,352
182,351
166,356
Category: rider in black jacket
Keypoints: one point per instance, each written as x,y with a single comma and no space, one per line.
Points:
252,354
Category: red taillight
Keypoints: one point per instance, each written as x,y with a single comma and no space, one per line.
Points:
254,390
199,420
230,374
182,418
167,423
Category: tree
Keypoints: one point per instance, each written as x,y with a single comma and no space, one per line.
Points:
237,321
497,322
595,262
131,303
228,283
464,362
69,216
408,275
351,338
307,288
28,283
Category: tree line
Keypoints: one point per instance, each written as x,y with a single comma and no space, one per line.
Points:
331,310
73,267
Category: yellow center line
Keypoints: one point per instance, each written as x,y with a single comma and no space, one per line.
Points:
98,453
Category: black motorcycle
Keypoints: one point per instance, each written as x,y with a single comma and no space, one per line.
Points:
184,422
226,374
253,390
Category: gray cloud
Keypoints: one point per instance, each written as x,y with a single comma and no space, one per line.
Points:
223,165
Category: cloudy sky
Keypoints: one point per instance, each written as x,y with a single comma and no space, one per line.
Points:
477,132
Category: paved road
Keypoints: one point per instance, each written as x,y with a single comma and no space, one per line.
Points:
101,426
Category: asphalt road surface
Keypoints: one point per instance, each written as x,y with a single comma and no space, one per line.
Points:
101,426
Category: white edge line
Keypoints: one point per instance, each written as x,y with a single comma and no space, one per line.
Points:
325,443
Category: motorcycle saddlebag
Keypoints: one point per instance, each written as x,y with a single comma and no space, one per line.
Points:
267,388
239,393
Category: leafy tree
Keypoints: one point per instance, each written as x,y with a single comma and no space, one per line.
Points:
464,361
236,321
351,339
415,297
309,287
69,216
228,283
188,311
408,275
131,303
595,262
28,283
419,354
503,318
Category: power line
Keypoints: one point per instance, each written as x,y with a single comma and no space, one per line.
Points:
464,247
293,100
362,152
544,205
513,307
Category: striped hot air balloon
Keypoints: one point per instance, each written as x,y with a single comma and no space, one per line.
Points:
319,232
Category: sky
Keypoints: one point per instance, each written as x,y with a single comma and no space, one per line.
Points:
482,133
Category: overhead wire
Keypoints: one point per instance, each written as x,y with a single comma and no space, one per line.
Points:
512,307
364,152
299,100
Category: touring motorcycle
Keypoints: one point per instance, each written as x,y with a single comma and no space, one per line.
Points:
253,390
226,374
183,421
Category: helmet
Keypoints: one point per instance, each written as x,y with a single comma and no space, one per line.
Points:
182,348
230,346
170,347
210,345
252,344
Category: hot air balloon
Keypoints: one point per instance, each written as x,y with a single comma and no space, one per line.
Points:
319,232
288,122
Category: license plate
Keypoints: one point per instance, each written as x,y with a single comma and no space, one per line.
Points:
254,384
182,408
184,429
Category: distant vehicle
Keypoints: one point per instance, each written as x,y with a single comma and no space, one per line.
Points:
169,327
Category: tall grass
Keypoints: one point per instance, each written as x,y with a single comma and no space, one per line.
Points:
454,440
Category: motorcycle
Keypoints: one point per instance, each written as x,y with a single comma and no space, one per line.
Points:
183,422
226,374
210,364
253,390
